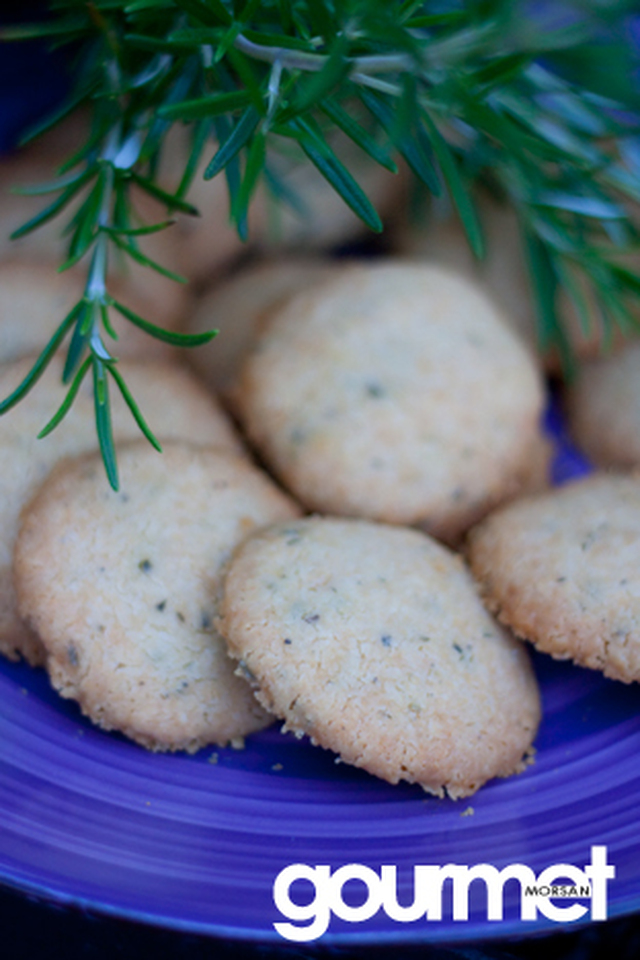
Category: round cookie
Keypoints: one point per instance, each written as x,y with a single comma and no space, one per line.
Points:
174,404
372,640
394,392
603,408
122,588
238,306
562,570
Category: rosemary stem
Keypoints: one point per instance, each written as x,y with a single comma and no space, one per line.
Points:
314,62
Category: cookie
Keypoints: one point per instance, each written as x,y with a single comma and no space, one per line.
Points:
122,589
237,306
603,408
372,640
561,570
174,404
394,392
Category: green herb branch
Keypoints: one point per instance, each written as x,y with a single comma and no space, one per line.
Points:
540,106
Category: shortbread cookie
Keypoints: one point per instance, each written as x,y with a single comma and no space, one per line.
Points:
603,408
174,404
122,588
372,640
237,307
563,570
394,392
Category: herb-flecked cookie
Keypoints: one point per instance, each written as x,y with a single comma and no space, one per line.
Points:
122,588
394,392
562,569
174,403
372,640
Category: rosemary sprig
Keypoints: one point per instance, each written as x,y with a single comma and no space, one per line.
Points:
477,91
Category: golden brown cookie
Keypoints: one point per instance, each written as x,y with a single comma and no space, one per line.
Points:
372,640
394,392
122,588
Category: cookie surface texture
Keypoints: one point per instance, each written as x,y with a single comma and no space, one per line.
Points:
372,640
562,570
174,404
394,392
122,589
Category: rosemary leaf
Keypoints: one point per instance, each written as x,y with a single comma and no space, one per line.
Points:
78,343
106,321
138,231
253,169
239,136
586,206
168,336
51,186
408,148
66,404
103,421
134,408
459,190
145,261
54,208
42,362
202,132
169,199
357,133
206,106
323,157
545,282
